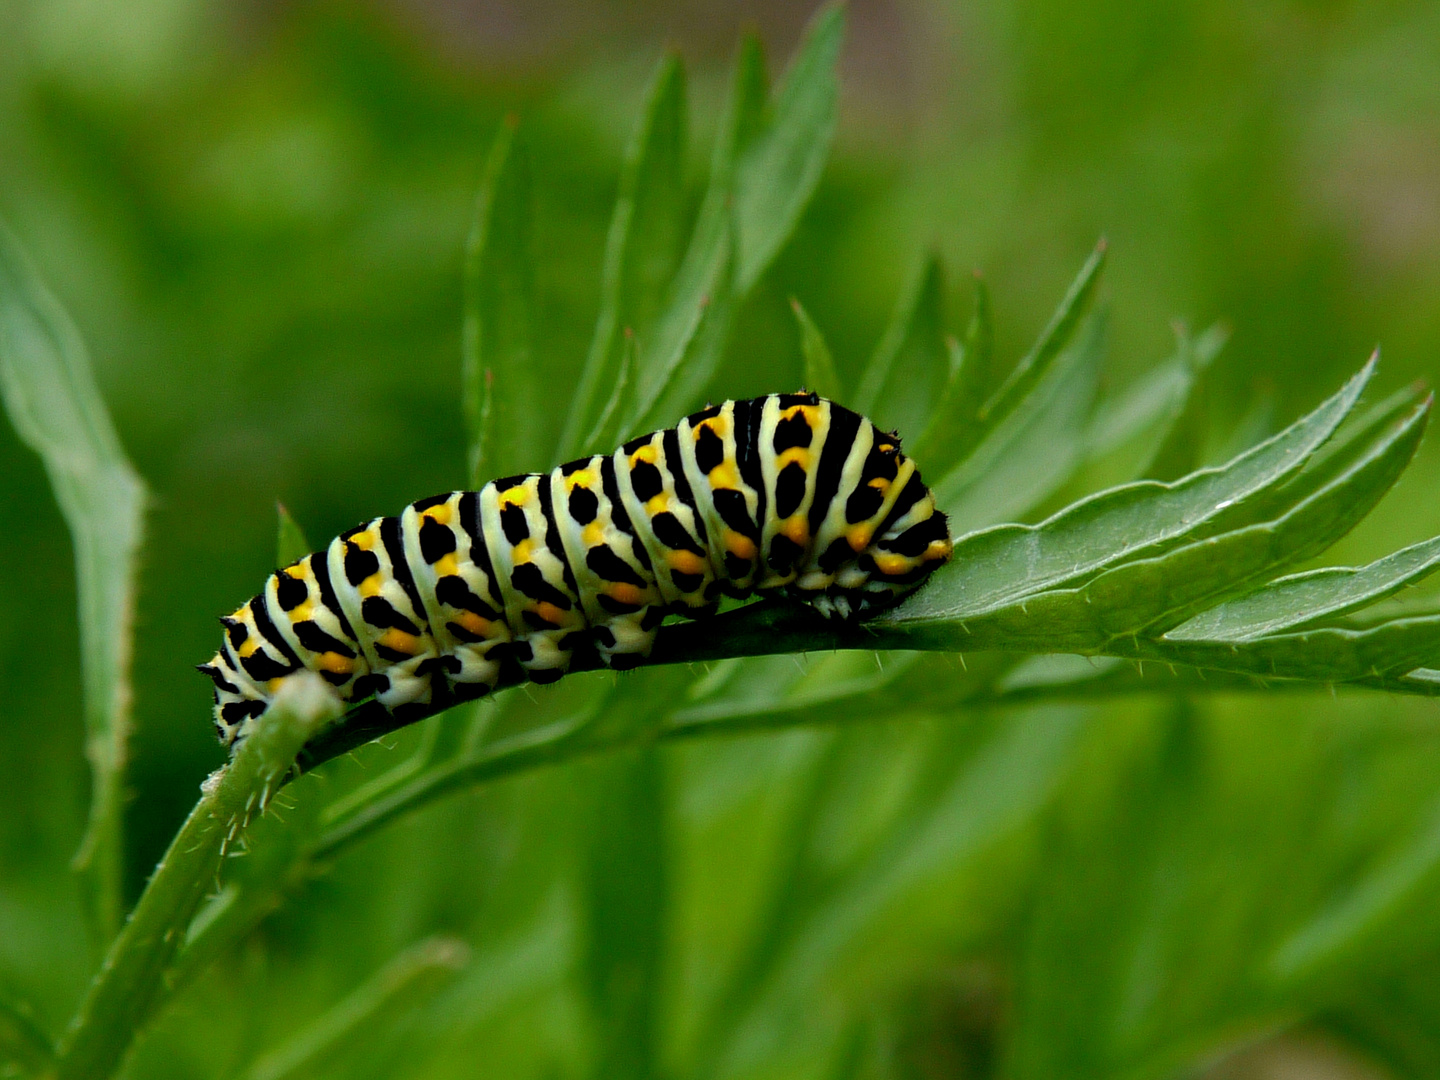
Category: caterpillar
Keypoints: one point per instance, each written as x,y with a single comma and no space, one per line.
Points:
788,493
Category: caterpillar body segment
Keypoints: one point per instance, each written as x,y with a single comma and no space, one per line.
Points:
784,494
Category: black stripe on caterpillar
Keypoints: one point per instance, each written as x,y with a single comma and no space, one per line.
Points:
788,493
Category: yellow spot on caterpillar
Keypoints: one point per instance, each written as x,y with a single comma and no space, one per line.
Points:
549,612
439,513
371,586
365,541
658,505
398,640
797,529
724,476
514,496
523,552
646,453
447,565
739,545
685,562
795,453
474,623
302,613
891,565
879,483
625,592
273,685
334,662
938,549
584,478
593,534
247,649
858,537
296,572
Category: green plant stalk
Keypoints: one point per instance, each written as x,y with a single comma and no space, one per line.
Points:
122,996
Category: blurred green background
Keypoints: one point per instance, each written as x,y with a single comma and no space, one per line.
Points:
256,212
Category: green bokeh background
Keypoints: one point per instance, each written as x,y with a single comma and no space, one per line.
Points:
256,213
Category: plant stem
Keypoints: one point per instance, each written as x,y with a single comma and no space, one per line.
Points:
122,996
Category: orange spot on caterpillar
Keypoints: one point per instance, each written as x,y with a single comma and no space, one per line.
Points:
685,562
399,640
625,592
739,545
329,661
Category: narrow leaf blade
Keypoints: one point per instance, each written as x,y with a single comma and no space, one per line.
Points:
1052,342
1004,563
1311,597
955,422
51,396
1149,596
290,542
820,373
641,252
500,390
912,365
1031,454
775,179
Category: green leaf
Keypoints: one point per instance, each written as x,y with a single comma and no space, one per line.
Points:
409,979
778,173
500,387
1027,456
955,423
1149,596
1355,439
640,254
1053,340
685,350
1004,563
912,365
51,396
1132,431
1180,451
1311,597
1324,655
687,344
763,173
608,430
290,543
124,992
820,373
